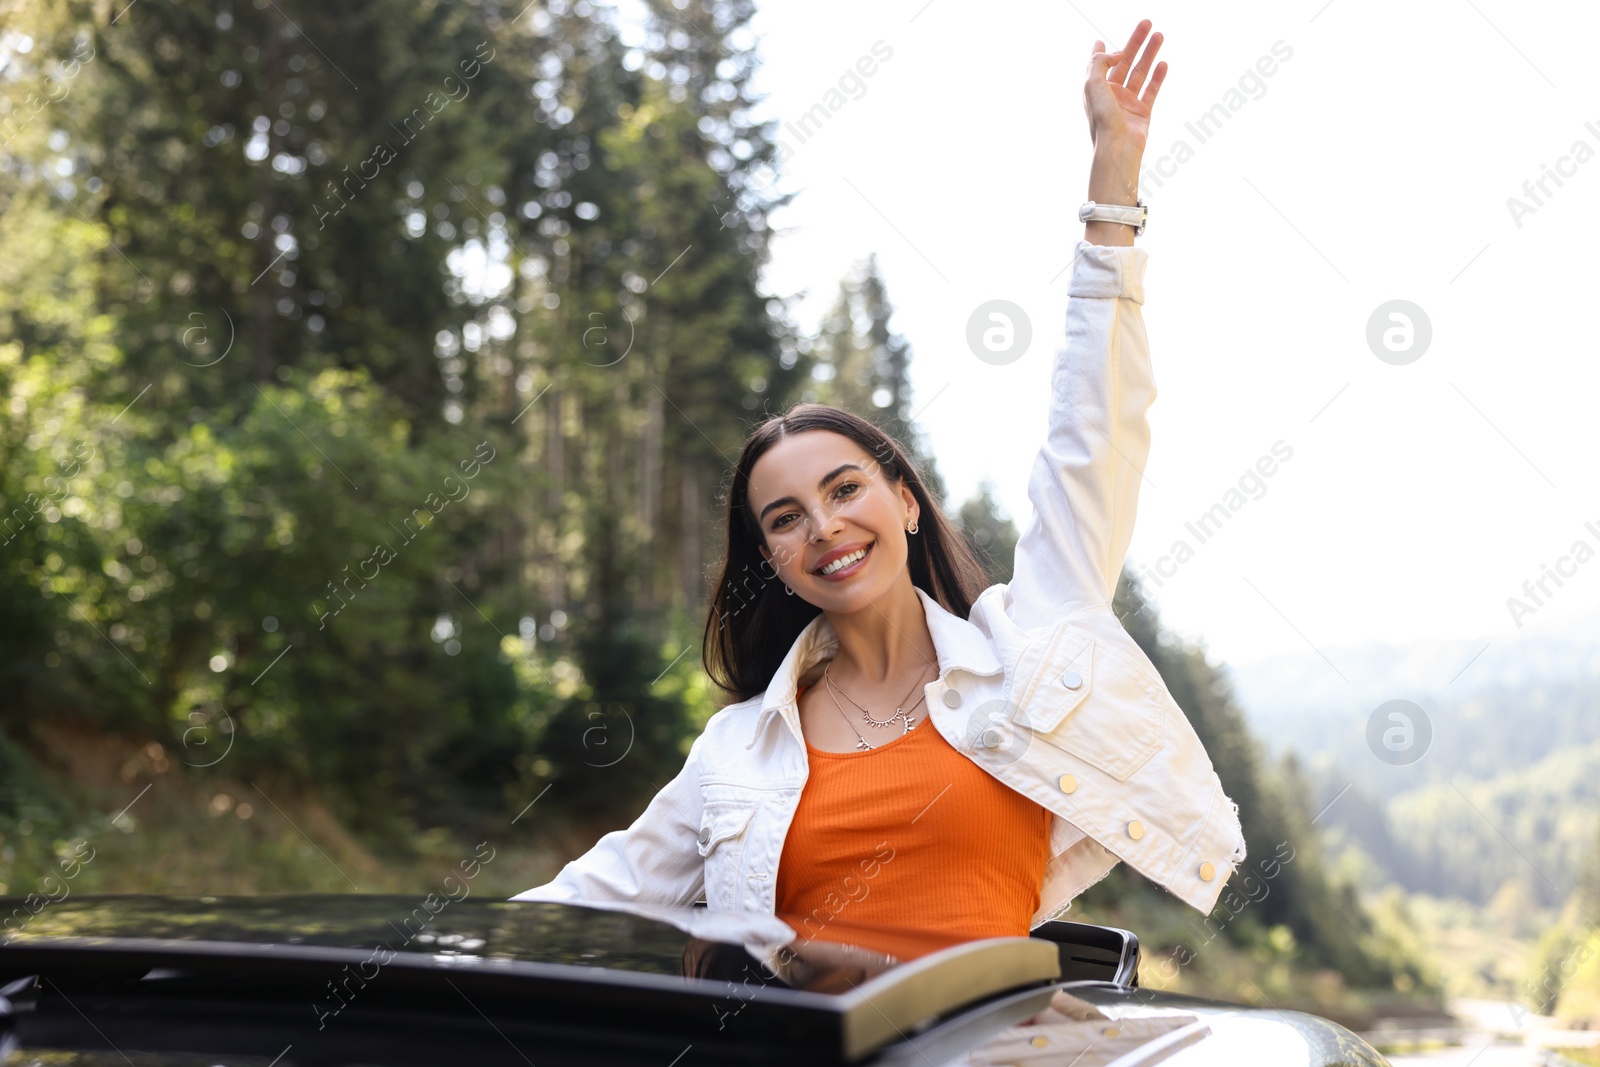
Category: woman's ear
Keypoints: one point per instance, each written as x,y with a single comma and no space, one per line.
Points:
913,513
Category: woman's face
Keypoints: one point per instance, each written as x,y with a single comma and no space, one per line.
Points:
817,492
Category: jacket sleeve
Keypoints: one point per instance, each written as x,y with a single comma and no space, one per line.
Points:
1084,484
653,861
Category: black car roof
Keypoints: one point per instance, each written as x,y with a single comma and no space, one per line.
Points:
337,959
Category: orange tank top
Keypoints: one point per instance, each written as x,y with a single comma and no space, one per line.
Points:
913,835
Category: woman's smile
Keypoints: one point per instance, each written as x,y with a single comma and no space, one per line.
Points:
849,568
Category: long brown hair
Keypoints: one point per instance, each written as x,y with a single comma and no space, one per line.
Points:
752,622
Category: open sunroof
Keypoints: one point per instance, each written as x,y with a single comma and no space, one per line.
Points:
682,972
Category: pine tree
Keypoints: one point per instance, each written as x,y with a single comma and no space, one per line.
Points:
868,366
271,174
994,537
642,332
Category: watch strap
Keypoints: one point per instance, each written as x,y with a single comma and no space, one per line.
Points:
1136,216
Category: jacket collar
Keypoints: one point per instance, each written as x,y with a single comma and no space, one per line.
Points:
959,644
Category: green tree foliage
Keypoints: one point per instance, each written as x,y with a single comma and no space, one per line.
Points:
1586,897
994,537
276,276
1467,836
255,186
1562,973
1508,789
864,367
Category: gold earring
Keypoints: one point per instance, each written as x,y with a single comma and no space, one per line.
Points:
911,527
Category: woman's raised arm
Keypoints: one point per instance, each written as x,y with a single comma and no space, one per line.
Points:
1084,484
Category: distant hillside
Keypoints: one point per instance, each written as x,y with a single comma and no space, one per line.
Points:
1470,838
1285,696
1480,732
1509,787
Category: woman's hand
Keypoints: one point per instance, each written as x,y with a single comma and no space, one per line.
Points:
832,967
1119,117
1119,124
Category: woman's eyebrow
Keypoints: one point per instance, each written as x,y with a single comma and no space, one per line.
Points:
826,478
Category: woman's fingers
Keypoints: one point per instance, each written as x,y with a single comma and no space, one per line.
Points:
1128,67
1142,68
1100,62
1154,87
1129,51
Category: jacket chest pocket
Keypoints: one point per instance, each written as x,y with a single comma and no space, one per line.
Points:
720,841
1093,700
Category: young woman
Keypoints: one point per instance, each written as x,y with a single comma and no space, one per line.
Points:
908,749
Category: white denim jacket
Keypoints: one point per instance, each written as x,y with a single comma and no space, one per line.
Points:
1041,686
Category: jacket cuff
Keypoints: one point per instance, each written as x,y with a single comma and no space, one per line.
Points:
1108,271
1216,851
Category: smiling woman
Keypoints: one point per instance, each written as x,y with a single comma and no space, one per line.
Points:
882,622
817,486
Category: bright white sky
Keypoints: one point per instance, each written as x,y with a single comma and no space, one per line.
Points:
1375,166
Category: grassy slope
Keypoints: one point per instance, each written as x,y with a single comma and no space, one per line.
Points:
217,836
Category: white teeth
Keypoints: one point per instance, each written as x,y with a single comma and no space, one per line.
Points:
843,561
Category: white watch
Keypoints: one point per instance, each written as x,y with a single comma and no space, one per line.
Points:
1130,216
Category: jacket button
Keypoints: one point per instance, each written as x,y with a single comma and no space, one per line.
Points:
1072,679
1136,829
705,835
1068,783
991,737
952,698
1207,872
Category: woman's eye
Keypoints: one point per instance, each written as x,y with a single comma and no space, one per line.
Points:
782,521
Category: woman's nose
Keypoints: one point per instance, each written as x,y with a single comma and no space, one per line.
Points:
823,521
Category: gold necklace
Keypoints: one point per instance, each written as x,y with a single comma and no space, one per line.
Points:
899,713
